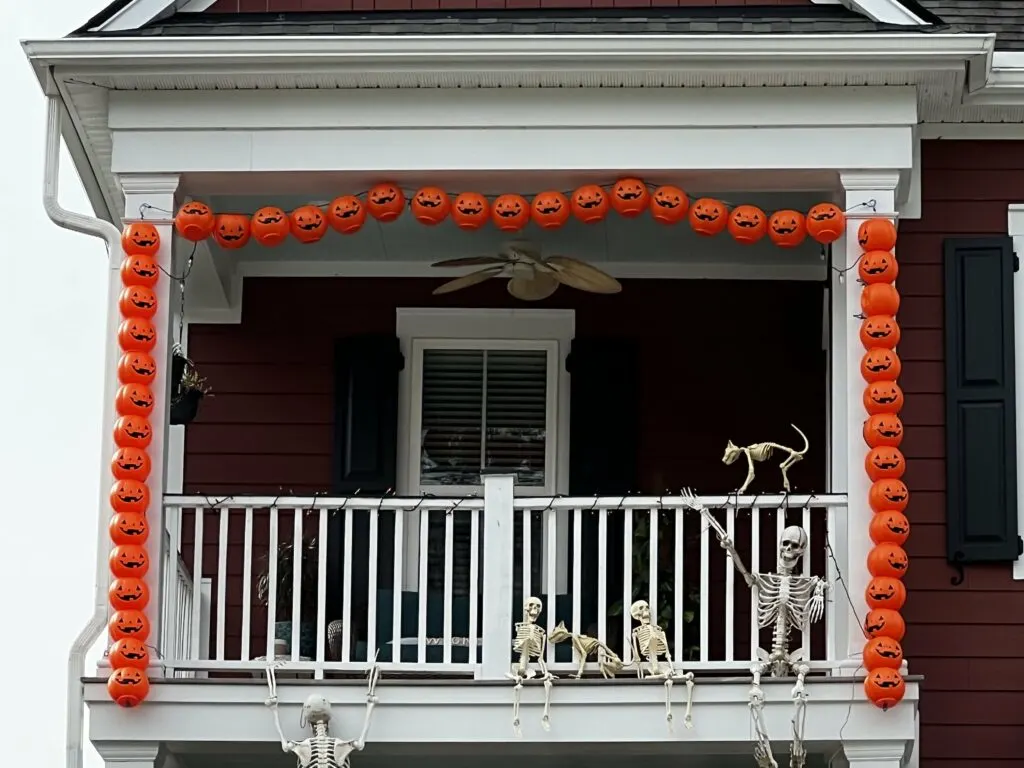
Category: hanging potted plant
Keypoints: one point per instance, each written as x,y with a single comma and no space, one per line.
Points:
188,388
309,590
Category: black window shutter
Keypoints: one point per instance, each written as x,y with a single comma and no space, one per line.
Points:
366,372
981,450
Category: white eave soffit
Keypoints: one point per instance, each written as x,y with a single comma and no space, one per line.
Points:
140,12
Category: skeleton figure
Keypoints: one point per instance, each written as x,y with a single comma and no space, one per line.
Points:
607,660
649,645
321,750
786,601
530,643
762,452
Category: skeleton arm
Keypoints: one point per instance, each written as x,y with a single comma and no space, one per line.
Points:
723,538
637,658
287,745
371,702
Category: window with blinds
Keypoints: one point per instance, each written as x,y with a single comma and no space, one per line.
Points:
483,409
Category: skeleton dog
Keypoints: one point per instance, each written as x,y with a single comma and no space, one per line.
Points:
785,601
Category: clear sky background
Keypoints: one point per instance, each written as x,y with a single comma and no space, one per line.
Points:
51,382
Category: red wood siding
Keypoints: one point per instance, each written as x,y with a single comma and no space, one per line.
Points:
367,6
967,640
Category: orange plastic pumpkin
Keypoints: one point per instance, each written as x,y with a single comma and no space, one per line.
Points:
880,299
346,214
385,202
884,687
430,205
129,561
889,527
885,592
232,230
880,363
136,368
136,334
132,432
307,224
885,463
129,496
130,529
137,301
130,464
885,622
140,238
888,560
270,226
128,594
130,623
883,397
826,223
194,221
877,267
787,229
747,224
128,686
510,213
629,197
470,211
708,216
888,494
550,210
883,652
589,203
880,331
883,429
129,652
669,204
139,269
876,235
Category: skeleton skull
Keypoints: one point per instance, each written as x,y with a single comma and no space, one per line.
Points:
640,611
317,709
531,609
791,546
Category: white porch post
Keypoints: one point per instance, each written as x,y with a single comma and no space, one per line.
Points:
864,194
157,191
875,754
496,632
1015,228
132,754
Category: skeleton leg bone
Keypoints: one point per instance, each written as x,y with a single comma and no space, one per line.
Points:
688,717
762,744
545,718
516,693
750,473
668,704
797,753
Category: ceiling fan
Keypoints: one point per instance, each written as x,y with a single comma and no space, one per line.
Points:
531,277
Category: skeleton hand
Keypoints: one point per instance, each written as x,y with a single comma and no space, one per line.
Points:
816,606
271,701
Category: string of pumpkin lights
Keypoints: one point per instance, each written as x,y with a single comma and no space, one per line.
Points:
590,203
884,464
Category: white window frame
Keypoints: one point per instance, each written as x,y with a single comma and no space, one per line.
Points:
434,328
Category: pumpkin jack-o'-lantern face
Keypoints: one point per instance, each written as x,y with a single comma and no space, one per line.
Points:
708,216
747,224
883,397
132,432
510,213
889,527
589,203
883,653
884,622
194,221
232,230
346,214
888,494
430,205
880,331
307,224
470,210
128,686
876,235
385,201
129,652
270,226
140,238
629,197
129,496
885,592
549,210
877,267
130,464
129,623
826,222
885,687
129,528
669,204
136,368
139,269
884,462
883,429
129,561
787,229
128,594
888,559
137,301
136,334
880,363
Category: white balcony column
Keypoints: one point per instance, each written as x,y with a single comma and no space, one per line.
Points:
158,191
865,195
496,632
875,754
133,754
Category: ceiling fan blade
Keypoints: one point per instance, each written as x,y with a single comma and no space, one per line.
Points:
582,276
535,288
469,261
467,280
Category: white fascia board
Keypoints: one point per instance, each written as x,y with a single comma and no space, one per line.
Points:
136,14
886,12
522,52
1004,81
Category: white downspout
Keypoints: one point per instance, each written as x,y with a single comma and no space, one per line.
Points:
107,232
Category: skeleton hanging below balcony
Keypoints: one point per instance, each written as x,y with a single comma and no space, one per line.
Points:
649,645
321,750
530,643
787,602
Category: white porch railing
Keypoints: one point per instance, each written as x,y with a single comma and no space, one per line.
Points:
587,558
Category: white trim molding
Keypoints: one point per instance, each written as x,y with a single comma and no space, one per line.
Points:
1015,229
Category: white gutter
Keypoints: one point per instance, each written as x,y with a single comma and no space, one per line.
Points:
512,52
86,225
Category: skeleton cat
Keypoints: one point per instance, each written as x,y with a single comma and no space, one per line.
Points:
759,452
607,660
